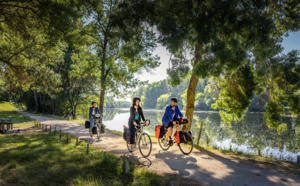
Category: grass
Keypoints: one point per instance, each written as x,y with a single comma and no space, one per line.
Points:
43,159
8,111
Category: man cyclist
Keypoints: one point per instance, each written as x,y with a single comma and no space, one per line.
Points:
170,118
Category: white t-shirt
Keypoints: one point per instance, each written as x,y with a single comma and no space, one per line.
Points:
173,110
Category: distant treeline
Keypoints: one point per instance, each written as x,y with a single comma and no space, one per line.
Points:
111,103
158,94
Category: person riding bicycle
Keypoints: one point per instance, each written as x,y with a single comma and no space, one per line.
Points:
92,112
136,113
170,118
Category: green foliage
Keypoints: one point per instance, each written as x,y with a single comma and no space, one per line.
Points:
236,93
250,34
153,92
163,101
273,114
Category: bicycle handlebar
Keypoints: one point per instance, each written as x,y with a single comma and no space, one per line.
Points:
147,121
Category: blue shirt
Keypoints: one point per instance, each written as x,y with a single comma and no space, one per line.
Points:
168,116
96,111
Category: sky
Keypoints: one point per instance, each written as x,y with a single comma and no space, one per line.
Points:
289,43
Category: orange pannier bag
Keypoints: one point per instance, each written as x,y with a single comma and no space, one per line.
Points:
159,131
176,136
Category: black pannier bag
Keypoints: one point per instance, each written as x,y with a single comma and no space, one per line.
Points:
184,137
87,124
183,120
102,129
126,134
94,130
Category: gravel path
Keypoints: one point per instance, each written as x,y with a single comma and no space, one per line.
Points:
200,166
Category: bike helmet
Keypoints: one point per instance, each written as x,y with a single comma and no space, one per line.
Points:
174,99
134,100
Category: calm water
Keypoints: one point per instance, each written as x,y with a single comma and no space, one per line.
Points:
248,135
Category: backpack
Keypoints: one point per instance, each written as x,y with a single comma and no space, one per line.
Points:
87,124
102,129
159,131
177,137
126,134
94,130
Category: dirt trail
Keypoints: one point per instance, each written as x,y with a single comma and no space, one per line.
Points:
201,166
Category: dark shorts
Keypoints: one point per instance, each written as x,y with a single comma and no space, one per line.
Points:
170,125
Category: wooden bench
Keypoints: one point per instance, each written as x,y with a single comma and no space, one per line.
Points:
7,122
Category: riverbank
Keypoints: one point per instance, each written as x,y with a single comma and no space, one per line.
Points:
262,161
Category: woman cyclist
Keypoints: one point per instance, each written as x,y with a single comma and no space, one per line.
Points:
93,111
136,113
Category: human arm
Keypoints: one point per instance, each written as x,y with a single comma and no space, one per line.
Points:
90,112
131,116
169,114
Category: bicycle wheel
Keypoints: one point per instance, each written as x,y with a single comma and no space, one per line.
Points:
145,145
161,143
187,148
128,144
98,131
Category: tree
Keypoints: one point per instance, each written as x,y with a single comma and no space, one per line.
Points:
122,44
223,37
163,101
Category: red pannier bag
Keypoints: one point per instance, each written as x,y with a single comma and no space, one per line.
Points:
183,120
159,131
177,137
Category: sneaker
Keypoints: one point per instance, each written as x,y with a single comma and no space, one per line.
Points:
165,142
132,149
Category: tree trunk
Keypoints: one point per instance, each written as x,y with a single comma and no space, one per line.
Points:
191,92
74,117
102,92
36,101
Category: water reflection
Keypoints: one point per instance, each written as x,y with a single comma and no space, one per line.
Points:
249,135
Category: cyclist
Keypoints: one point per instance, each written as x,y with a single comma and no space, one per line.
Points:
93,110
170,117
136,113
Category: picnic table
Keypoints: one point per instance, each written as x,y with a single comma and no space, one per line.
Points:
7,122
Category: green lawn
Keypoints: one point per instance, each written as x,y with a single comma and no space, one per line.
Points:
43,159
8,111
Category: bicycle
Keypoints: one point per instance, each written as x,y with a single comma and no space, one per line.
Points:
142,139
97,124
186,147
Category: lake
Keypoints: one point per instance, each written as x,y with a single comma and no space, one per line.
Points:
248,135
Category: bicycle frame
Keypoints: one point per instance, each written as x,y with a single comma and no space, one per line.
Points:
140,131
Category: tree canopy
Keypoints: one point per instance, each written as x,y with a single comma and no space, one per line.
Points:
236,42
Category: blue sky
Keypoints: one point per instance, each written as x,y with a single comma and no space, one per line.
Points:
289,43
